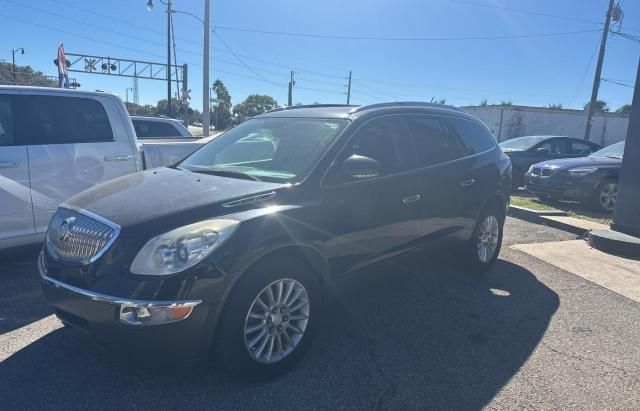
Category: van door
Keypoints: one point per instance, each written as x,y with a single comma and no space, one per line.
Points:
75,142
16,215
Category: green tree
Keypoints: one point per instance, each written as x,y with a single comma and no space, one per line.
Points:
255,104
600,106
138,110
624,109
161,108
506,103
555,106
484,102
25,76
222,110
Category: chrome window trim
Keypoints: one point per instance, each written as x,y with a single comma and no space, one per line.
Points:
116,233
111,300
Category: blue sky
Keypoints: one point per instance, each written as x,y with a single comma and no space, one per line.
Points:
527,71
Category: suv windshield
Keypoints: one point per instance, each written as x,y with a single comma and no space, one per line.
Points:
269,149
614,151
520,143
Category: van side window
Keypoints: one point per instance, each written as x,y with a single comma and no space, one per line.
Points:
6,121
475,137
60,120
434,145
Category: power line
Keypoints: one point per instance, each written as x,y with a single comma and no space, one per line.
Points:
79,35
534,13
343,37
576,92
224,43
120,20
356,84
617,82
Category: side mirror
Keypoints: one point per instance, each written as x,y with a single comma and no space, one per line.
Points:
543,150
362,167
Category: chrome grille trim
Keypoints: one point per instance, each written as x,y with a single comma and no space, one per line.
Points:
87,239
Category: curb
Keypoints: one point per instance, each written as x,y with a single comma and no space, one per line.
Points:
538,217
613,242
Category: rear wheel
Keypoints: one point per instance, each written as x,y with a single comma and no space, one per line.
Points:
481,251
269,320
605,196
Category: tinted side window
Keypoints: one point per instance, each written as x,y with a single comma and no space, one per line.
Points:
555,146
6,121
579,148
474,136
433,143
381,139
150,129
60,120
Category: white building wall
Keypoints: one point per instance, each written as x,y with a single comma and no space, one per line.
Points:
515,121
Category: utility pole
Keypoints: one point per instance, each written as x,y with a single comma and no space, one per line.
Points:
349,89
13,56
291,84
596,78
169,108
205,74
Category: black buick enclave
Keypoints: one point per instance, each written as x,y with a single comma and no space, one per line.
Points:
232,250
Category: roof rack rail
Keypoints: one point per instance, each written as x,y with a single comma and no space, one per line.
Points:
309,106
404,103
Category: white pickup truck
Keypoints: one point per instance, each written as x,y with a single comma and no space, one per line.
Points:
55,143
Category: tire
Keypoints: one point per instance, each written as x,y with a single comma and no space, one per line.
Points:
241,311
605,196
488,230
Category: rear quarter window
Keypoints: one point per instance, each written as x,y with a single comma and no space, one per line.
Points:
474,136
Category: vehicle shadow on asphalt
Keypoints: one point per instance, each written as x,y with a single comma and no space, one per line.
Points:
21,300
416,334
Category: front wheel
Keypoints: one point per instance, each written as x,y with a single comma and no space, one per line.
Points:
481,251
605,196
269,320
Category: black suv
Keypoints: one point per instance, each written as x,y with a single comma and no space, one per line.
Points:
234,249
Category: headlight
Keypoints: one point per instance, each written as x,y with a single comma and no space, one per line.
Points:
184,247
581,172
530,169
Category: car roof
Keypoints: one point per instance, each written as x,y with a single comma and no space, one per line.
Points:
151,118
353,111
54,90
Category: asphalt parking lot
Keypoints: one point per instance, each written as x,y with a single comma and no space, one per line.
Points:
417,333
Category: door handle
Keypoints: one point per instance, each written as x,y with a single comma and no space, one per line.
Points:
411,199
118,158
469,182
8,164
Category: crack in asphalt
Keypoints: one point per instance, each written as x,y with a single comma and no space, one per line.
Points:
352,332
580,358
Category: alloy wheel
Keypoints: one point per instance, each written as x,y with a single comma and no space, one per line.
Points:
488,238
609,196
276,321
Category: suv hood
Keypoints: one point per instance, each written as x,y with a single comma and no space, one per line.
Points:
153,194
590,161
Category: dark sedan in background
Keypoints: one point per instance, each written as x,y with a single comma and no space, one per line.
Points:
591,180
528,150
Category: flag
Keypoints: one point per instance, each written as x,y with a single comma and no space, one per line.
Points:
63,74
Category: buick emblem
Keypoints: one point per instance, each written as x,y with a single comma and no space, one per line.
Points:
65,229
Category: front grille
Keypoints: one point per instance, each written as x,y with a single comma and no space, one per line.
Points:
79,237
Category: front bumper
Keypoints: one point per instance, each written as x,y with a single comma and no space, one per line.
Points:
123,323
558,186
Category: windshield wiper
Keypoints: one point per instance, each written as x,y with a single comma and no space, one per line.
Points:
226,173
